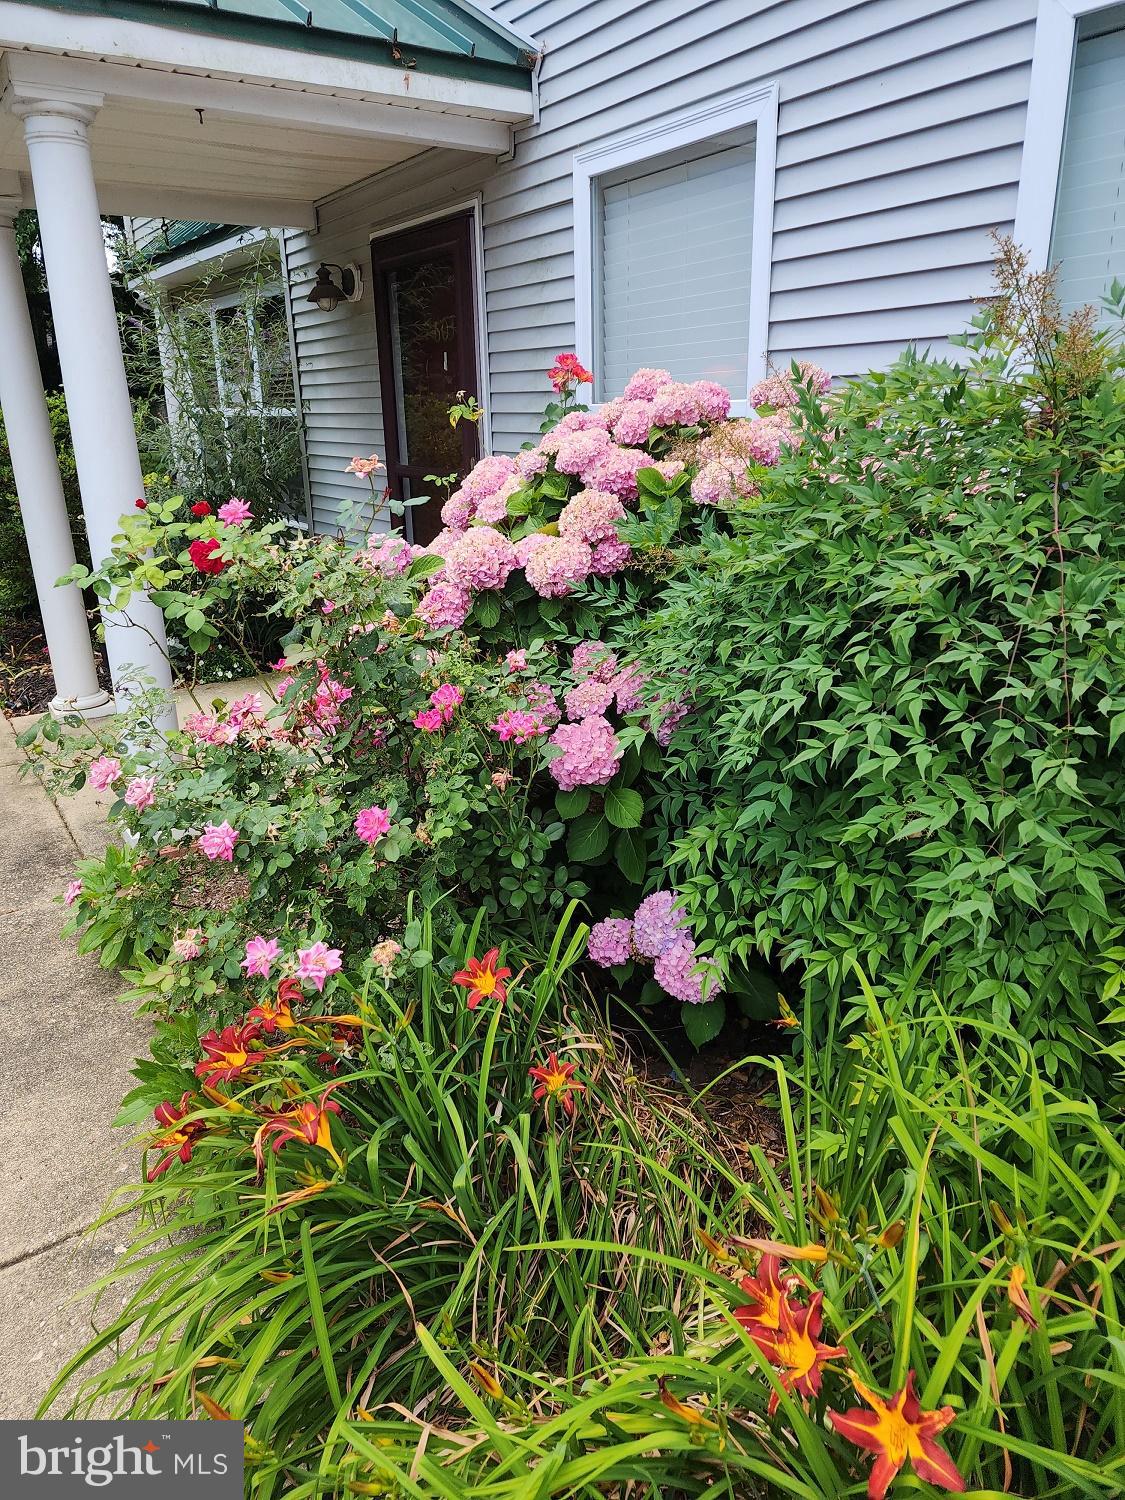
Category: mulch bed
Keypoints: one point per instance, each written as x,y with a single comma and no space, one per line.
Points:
26,683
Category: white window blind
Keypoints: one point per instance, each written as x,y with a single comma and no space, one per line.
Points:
1089,237
673,265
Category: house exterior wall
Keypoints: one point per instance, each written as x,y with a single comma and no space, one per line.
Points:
899,142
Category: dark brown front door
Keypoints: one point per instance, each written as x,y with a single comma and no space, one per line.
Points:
427,353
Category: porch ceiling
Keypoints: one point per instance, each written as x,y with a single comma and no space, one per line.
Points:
194,125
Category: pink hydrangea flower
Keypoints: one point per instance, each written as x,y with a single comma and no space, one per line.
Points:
72,892
591,752
610,942
444,606
591,516
516,661
557,566
530,463
446,699
487,476
675,405
217,841
140,793
482,559
372,823
261,955
235,512
579,451
657,924
457,511
616,469
633,422
593,659
317,962
778,390
589,697
527,546
627,685
644,383
493,508
609,557
712,400
429,719
188,946
104,772
668,719
541,701
676,972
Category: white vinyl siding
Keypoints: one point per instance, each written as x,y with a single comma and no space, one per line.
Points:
674,244
1089,238
899,141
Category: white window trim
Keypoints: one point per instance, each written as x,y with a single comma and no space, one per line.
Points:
238,299
1048,105
755,106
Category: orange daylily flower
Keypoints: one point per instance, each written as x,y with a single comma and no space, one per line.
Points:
1017,1296
273,1015
483,979
229,1053
290,990
306,1122
897,1429
818,1254
177,1139
690,1414
794,1348
556,1081
767,1290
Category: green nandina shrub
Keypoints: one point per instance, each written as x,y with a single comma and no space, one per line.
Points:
907,682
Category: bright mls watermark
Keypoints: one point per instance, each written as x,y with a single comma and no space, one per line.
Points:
134,1460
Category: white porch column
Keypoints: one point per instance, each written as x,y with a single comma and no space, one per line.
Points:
42,504
97,395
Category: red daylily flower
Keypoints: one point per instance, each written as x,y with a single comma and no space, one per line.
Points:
898,1429
568,370
177,1139
306,1122
556,1081
272,1015
290,991
768,1290
794,1348
203,555
229,1053
483,979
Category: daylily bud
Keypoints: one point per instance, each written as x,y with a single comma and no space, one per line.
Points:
487,1381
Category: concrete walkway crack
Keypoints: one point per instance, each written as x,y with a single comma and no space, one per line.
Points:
19,1260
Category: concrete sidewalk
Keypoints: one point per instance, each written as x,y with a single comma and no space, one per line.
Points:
64,1069
68,1047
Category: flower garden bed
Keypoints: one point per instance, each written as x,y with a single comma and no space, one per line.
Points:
805,722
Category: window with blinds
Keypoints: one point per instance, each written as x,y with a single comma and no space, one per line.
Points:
672,265
1089,235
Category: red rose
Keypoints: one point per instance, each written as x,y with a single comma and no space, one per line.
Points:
201,508
203,555
141,504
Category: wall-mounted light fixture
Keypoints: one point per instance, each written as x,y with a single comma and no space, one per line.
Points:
327,294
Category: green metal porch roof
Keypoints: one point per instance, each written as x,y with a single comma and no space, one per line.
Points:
435,36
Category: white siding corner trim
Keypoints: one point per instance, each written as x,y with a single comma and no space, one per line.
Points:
755,106
1052,62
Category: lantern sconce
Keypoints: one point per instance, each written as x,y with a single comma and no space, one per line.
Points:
328,294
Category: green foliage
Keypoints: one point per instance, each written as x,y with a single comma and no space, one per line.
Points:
907,667
17,585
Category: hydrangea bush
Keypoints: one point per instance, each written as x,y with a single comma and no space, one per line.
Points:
442,719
